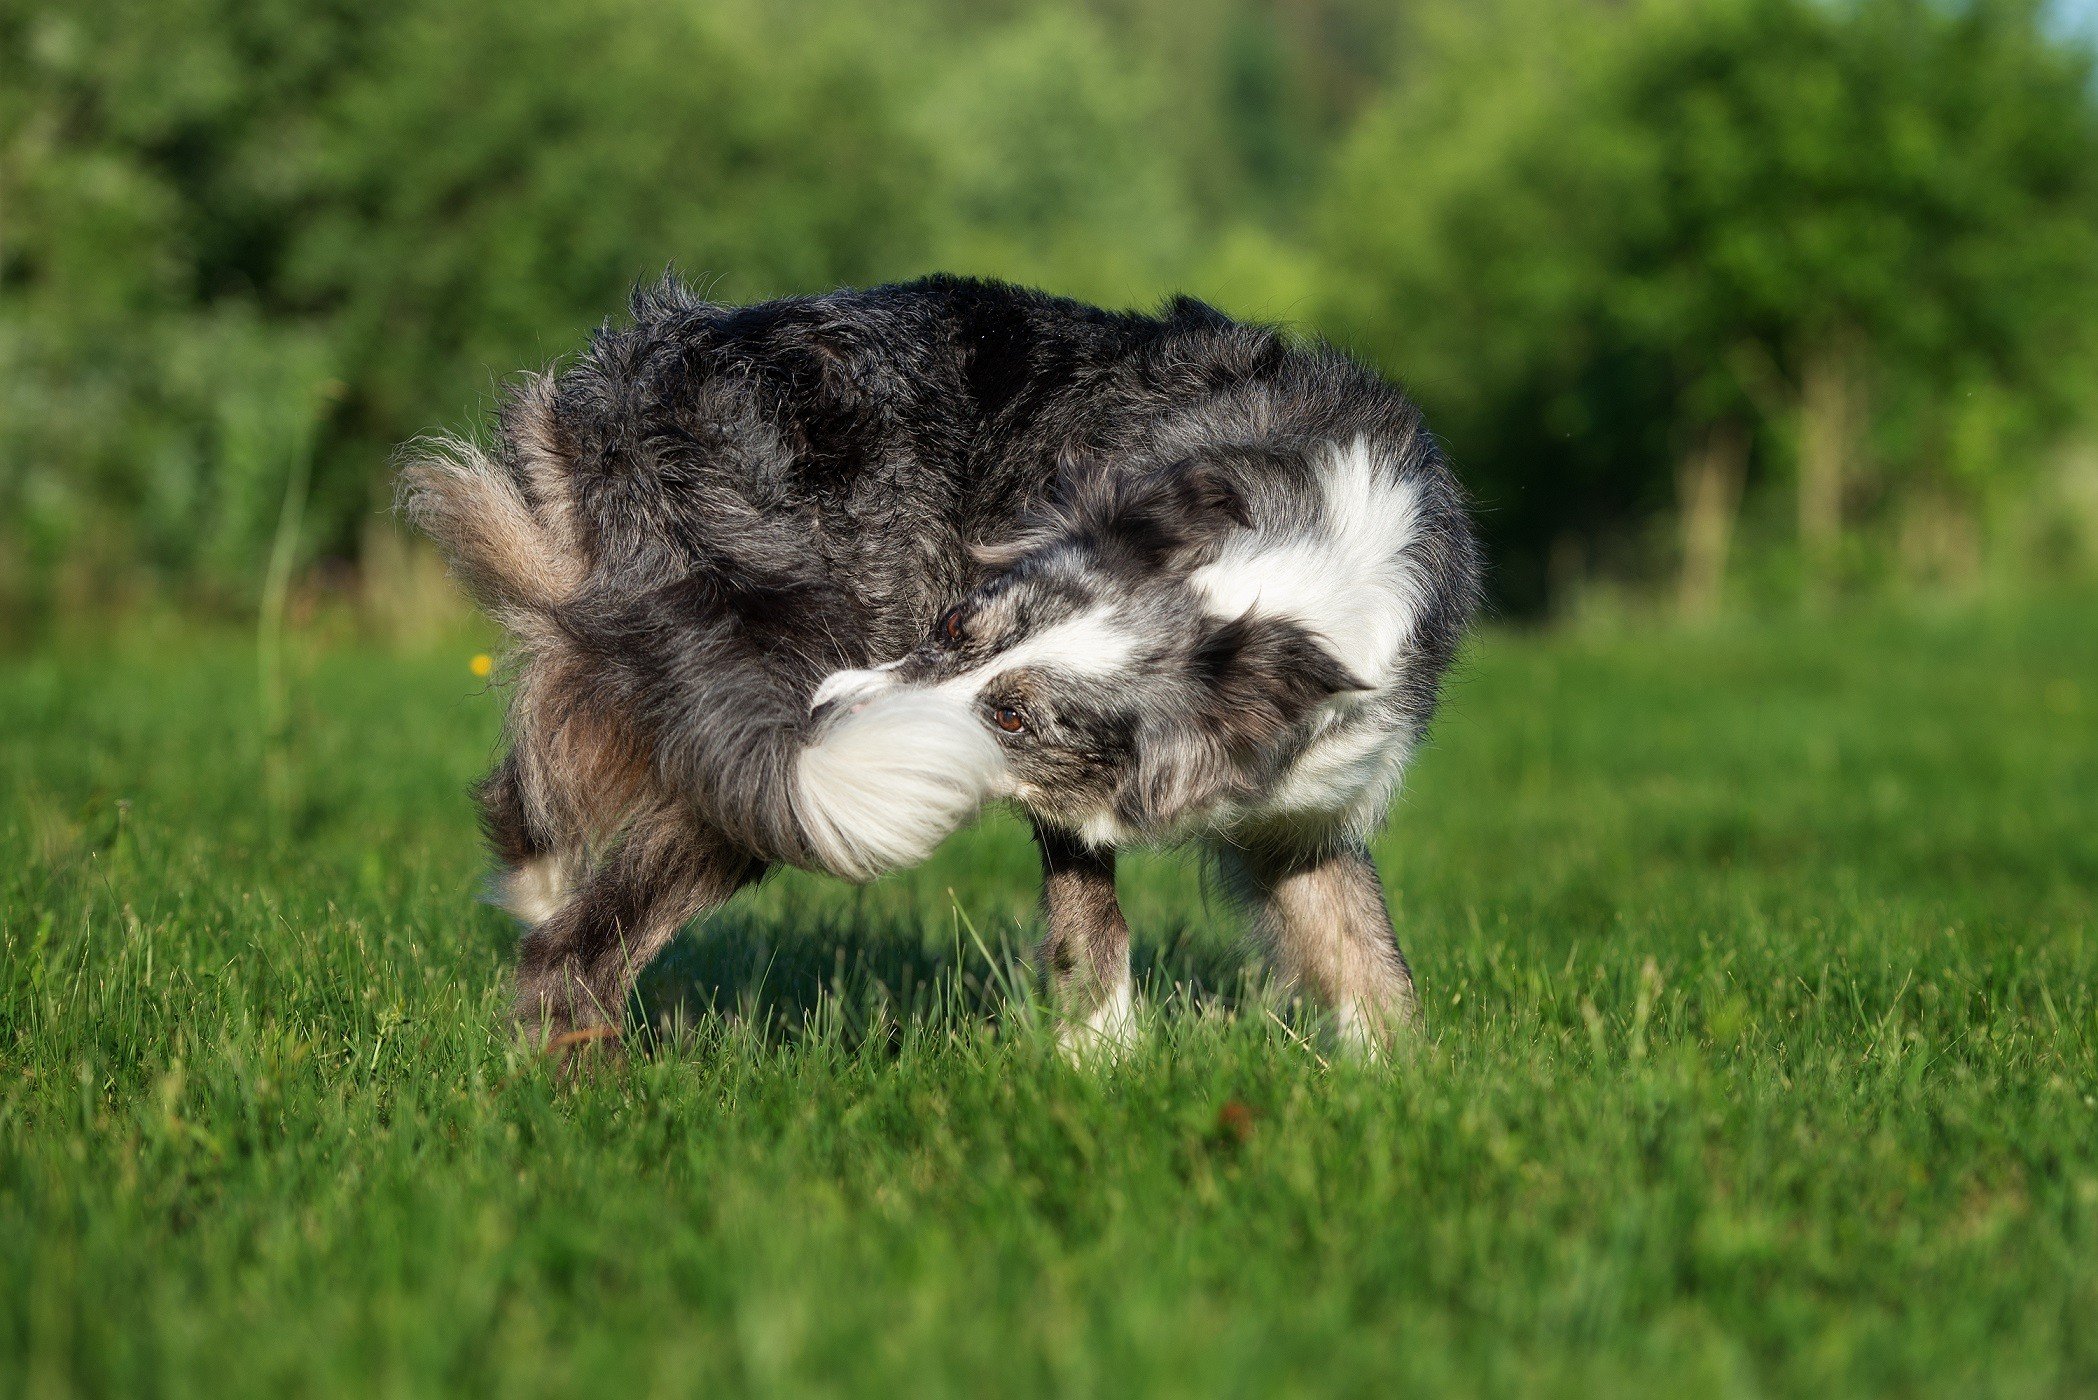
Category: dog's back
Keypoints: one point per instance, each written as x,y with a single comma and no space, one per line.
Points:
853,443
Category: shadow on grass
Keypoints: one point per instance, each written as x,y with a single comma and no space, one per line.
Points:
863,981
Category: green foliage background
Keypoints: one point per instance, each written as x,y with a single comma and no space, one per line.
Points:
248,245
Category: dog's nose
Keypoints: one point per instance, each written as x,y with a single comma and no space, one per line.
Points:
842,692
850,704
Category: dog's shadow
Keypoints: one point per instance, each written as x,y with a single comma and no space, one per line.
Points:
863,981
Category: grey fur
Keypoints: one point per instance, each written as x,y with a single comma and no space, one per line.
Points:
718,510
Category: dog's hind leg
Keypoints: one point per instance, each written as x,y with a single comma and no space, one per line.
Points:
577,966
1323,918
1085,953
533,866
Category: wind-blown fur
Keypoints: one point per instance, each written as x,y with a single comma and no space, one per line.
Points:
811,581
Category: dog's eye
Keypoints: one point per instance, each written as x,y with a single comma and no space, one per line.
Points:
1009,718
951,627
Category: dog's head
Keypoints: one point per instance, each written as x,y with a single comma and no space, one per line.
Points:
1086,678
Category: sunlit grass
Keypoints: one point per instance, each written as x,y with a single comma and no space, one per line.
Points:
1763,1054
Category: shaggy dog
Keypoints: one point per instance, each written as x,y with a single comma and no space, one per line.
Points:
812,581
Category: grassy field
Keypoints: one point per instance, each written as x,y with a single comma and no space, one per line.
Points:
1760,967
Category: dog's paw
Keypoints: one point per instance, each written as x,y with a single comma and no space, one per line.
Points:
582,1051
556,1017
1102,1035
1376,1035
573,1050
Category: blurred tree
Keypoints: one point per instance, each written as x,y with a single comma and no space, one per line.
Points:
150,165
398,200
1639,250
1045,166
500,176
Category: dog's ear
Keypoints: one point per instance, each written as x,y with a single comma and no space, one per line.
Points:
1260,676
1256,678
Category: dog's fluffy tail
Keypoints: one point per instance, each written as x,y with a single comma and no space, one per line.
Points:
880,787
855,794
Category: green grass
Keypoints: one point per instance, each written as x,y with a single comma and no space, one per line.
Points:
1764,1057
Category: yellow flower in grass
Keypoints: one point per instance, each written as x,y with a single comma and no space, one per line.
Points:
482,665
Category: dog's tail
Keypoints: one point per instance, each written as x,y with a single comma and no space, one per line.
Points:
502,517
879,787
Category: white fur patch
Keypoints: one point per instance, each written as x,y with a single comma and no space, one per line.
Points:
1106,1030
1104,828
1091,644
534,890
1363,1033
894,777
1348,578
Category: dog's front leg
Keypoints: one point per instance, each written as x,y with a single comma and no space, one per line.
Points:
1085,954
1323,918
